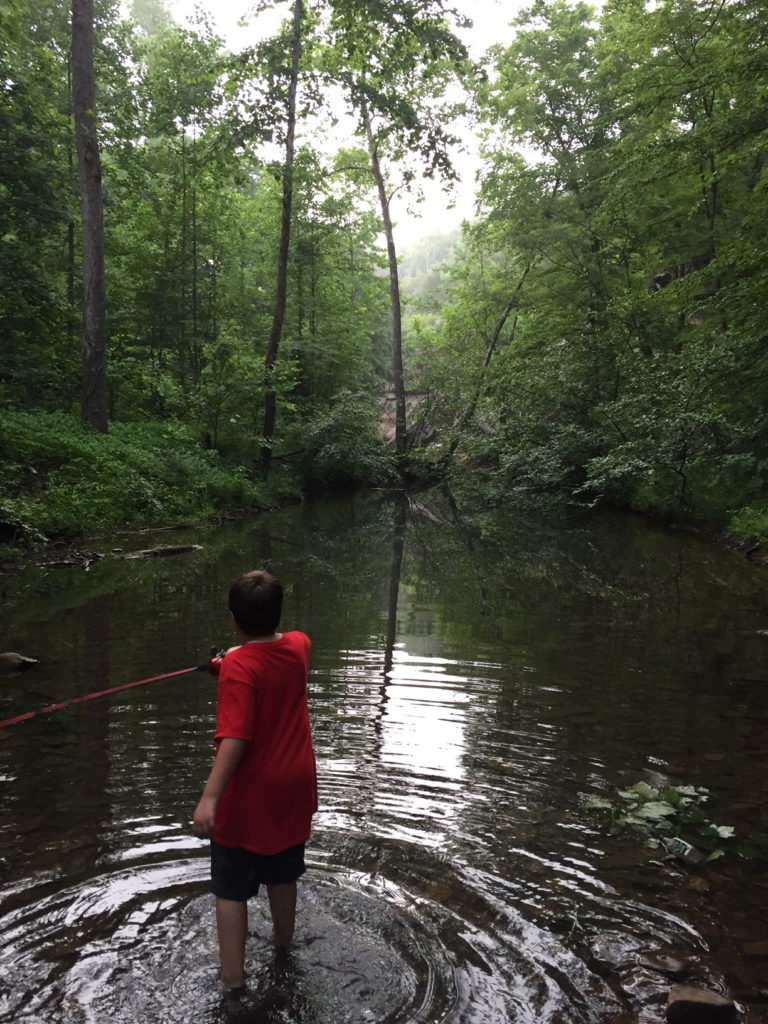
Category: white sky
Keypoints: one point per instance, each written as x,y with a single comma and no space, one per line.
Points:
491,19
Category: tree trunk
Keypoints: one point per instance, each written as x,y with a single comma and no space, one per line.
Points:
182,320
95,409
469,411
72,316
398,377
281,291
196,354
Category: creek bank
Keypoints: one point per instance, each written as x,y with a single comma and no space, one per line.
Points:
749,547
558,508
75,559
60,554
752,549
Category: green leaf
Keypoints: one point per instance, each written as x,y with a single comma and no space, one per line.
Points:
641,790
655,810
724,831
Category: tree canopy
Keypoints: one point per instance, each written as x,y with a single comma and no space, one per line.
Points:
595,335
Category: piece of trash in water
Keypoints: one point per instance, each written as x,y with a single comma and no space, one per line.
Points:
682,850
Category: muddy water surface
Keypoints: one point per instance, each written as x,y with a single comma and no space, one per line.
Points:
473,680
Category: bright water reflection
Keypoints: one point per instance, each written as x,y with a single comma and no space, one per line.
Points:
470,680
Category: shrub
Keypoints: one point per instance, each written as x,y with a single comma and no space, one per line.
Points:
751,522
342,443
60,478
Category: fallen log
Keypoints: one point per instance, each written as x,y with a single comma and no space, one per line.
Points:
181,549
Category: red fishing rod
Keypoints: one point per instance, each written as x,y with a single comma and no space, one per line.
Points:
212,666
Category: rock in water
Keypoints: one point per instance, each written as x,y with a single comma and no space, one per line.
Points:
688,1005
11,663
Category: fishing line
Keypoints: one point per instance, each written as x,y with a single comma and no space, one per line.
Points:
101,693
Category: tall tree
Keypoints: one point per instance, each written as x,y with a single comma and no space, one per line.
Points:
398,374
94,347
281,290
396,61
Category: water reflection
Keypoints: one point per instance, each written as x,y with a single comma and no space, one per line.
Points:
470,679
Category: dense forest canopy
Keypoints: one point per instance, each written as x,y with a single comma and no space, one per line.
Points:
595,334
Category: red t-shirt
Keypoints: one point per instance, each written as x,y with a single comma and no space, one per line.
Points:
267,805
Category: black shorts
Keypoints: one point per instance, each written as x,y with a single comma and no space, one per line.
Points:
236,874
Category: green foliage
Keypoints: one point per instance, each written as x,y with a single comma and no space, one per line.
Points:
36,202
604,332
599,335
397,59
343,443
192,219
71,481
420,269
656,812
751,521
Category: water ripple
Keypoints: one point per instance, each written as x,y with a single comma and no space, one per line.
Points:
137,944
455,877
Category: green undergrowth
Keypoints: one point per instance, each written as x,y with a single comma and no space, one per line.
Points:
658,813
60,479
751,522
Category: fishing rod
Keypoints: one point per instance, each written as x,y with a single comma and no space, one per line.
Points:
212,666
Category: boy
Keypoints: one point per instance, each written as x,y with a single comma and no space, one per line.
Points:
260,796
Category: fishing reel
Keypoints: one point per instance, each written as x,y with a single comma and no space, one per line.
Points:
213,665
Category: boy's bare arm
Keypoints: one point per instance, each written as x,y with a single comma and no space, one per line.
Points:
227,758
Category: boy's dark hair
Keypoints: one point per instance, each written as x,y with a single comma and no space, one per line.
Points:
256,601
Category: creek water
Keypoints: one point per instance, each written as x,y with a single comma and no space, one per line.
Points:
473,681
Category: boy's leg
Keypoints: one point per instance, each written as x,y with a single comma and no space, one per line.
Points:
232,927
282,907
